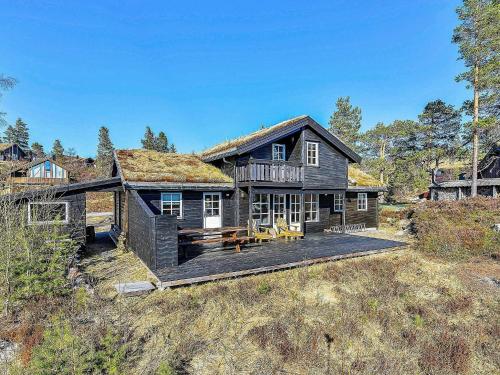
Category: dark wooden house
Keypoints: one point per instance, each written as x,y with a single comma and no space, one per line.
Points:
488,183
12,151
295,170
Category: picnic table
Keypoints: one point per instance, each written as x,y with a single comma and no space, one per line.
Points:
224,235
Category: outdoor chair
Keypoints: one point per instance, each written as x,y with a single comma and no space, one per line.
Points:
285,232
260,233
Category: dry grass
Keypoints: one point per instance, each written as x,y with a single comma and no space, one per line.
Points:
228,145
152,166
361,178
395,313
99,202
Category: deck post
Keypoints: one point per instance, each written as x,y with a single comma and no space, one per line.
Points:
343,213
250,203
302,212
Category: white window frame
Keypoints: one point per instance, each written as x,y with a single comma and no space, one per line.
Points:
316,149
282,214
295,208
279,152
66,218
313,201
362,202
181,203
260,204
338,202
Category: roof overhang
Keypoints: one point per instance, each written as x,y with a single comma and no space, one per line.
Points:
466,183
176,186
367,189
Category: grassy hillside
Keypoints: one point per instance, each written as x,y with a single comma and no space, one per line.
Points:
412,311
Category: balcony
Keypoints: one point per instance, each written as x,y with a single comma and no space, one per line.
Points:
263,171
37,181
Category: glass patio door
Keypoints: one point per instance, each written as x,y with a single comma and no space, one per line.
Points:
295,211
279,207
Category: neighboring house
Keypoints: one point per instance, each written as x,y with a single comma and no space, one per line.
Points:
488,183
295,170
38,173
11,151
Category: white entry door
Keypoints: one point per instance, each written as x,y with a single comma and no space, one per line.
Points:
212,210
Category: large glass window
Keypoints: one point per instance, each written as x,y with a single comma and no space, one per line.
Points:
294,208
312,153
311,207
278,152
279,207
338,202
48,212
362,201
171,204
261,208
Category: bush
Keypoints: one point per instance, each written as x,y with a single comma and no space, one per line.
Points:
458,229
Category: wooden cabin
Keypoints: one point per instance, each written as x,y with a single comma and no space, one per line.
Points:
12,151
488,183
295,170
38,173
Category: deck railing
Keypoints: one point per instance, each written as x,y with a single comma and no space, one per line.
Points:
269,171
37,181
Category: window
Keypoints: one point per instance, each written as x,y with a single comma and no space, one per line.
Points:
279,207
338,202
294,208
311,206
171,204
47,168
278,152
261,210
362,201
312,153
48,212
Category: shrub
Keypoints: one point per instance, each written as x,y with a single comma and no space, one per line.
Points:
458,229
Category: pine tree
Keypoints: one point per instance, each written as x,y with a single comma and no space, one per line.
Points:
376,145
10,135
22,134
161,143
57,149
478,39
104,152
345,122
149,140
441,126
37,150
173,149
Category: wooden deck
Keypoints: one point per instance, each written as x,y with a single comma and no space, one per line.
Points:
271,256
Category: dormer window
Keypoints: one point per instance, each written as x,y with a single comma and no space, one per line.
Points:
312,153
278,151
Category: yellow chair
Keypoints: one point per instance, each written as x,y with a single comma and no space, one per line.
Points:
285,231
260,233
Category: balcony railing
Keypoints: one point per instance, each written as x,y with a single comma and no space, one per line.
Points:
269,171
37,181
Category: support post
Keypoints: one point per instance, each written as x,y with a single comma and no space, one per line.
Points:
343,214
302,212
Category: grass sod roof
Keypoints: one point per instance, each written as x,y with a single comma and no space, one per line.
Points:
232,144
4,146
151,166
359,178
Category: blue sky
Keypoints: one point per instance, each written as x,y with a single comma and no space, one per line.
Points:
208,71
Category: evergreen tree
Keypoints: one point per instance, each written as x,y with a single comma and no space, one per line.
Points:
104,151
57,149
10,135
345,122
376,147
441,126
149,140
37,150
22,134
161,143
173,149
478,39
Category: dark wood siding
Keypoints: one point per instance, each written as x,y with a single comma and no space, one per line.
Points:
332,170
140,234
327,215
368,217
292,149
192,207
243,208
